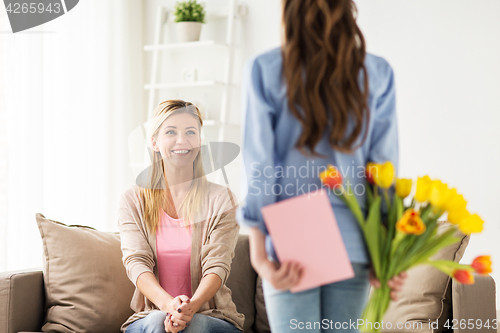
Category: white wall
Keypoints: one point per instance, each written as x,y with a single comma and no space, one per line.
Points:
445,55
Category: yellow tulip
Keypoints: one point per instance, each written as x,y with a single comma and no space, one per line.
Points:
455,201
403,187
471,224
423,188
456,215
384,175
439,194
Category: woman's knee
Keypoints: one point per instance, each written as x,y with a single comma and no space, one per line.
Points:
207,324
155,322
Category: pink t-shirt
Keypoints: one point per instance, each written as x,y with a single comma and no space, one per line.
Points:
173,249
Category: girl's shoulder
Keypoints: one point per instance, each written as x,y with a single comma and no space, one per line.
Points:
379,70
268,62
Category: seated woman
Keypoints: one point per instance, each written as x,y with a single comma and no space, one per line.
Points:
178,234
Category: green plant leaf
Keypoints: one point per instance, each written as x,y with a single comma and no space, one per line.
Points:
189,11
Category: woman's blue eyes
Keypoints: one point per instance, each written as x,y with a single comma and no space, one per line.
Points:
173,132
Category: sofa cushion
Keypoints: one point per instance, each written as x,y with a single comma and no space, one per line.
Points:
86,286
22,297
426,294
261,324
241,281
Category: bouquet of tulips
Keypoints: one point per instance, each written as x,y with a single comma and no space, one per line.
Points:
406,235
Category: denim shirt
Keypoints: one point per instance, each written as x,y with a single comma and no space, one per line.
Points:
275,170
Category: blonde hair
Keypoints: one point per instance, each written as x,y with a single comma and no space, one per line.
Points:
156,192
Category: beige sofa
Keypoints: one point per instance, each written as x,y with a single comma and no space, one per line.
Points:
22,298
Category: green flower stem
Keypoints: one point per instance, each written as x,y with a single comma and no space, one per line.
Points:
413,202
425,212
352,203
447,265
387,199
375,309
397,241
356,211
443,268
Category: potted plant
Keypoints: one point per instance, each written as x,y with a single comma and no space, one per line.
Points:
189,16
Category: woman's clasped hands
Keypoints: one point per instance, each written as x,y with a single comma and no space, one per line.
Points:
180,311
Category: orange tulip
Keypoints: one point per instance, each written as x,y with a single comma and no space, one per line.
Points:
482,265
331,177
371,170
463,276
411,223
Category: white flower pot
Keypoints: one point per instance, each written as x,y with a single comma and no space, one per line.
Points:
188,31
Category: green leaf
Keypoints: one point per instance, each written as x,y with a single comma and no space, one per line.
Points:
452,264
432,247
372,231
399,207
391,229
352,202
369,194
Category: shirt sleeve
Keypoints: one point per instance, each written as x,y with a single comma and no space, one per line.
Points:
258,145
217,254
384,137
137,256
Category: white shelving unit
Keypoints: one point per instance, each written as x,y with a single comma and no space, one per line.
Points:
231,12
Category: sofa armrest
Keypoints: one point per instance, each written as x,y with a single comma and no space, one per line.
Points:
473,302
22,301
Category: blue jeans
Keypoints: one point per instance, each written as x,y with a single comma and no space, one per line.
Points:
154,323
329,308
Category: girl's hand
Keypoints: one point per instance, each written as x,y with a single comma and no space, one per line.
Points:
396,283
285,276
281,277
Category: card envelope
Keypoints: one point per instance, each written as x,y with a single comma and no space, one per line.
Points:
304,229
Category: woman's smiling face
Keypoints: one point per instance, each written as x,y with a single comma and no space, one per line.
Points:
178,140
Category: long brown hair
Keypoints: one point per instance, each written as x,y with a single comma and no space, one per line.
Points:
156,193
323,53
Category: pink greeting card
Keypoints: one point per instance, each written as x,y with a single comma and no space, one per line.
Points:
304,229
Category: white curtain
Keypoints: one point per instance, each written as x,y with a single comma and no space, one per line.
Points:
72,92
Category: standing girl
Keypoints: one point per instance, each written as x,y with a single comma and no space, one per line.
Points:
318,99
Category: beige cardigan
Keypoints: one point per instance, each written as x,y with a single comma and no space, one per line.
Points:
212,250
